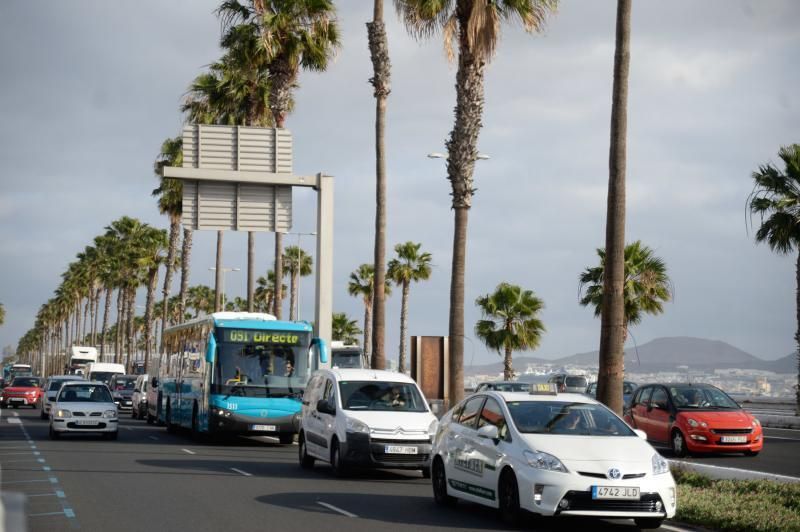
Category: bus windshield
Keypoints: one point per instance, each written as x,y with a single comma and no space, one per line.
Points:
256,363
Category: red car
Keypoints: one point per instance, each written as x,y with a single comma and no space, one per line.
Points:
694,418
22,391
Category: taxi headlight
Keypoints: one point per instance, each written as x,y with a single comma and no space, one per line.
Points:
354,425
660,465
63,413
544,461
110,413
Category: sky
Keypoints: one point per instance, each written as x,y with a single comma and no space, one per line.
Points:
89,91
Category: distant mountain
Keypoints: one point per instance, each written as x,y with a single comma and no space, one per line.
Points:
664,354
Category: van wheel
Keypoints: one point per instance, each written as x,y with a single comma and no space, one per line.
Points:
509,499
338,466
440,484
306,461
678,444
648,523
150,419
168,420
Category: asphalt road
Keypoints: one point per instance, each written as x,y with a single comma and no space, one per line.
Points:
149,479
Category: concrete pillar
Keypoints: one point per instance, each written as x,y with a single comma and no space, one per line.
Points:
323,314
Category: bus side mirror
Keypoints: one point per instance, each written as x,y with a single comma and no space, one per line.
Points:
212,349
322,346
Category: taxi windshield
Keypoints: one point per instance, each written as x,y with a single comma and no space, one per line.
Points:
559,417
386,396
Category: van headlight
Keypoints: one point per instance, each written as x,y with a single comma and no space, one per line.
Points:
354,425
660,465
432,428
110,413
63,413
544,461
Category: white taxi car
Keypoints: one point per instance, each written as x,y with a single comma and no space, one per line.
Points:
368,418
549,454
84,406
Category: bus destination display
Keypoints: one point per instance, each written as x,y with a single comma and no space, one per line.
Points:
248,336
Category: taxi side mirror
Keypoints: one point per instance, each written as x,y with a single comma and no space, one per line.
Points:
489,432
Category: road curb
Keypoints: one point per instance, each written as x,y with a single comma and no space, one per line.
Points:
730,473
778,422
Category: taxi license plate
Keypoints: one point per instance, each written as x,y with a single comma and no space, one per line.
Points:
399,449
86,422
734,439
264,428
615,492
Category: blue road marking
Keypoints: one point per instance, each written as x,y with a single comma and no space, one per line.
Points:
59,494
53,480
69,513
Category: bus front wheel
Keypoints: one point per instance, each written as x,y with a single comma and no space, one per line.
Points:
168,419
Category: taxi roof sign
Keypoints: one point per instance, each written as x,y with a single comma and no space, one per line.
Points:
544,388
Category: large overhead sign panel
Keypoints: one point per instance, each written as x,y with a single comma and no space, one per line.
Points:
237,163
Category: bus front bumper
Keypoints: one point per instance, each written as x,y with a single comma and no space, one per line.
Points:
254,426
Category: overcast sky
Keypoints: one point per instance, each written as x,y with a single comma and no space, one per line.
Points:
90,89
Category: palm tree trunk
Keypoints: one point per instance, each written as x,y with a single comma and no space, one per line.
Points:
185,263
379,52
278,311
797,335
96,313
403,327
218,277
293,295
152,284
456,322
85,320
174,236
612,324
120,328
106,309
367,328
130,331
251,269
508,369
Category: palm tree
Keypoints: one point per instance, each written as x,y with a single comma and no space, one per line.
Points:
265,292
2,314
612,317
201,299
153,252
410,265
298,264
646,284
379,52
475,26
776,199
362,284
293,34
344,329
510,322
170,202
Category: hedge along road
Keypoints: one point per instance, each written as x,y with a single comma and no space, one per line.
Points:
153,480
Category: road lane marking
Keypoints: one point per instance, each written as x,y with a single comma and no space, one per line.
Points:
675,528
245,473
16,414
23,481
14,421
335,509
188,451
780,438
62,512
42,495
153,438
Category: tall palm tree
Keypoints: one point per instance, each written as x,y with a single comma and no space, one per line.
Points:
381,66
265,292
153,252
298,264
344,329
646,284
170,202
776,199
200,299
612,317
510,322
361,284
474,25
409,266
294,34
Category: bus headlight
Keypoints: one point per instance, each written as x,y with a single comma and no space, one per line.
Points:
221,412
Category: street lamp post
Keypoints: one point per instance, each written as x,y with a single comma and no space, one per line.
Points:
222,287
312,233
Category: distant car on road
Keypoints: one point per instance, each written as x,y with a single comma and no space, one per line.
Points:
549,454
139,397
694,418
569,383
22,391
628,387
122,391
503,386
84,406
51,388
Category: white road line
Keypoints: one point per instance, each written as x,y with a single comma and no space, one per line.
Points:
16,414
127,428
675,528
188,451
335,509
780,438
245,473
153,438
14,420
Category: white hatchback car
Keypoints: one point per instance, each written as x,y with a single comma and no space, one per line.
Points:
361,417
83,406
549,454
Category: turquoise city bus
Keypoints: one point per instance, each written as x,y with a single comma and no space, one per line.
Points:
236,373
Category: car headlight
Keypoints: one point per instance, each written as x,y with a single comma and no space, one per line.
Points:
30,393
660,465
694,424
756,422
433,427
63,413
544,461
354,425
221,412
110,413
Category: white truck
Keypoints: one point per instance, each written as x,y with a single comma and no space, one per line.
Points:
80,357
346,356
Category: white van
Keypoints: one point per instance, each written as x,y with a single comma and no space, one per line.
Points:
103,371
364,417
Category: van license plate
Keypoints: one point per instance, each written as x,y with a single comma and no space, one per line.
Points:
264,428
734,439
615,492
86,422
398,449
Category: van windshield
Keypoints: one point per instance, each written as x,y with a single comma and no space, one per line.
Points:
385,396
102,376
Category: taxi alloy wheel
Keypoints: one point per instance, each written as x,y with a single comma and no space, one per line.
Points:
440,484
339,469
509,499
678,444
306,461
